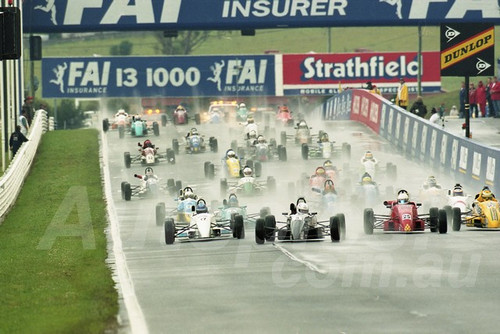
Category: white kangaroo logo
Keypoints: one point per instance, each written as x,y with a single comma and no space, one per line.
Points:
49,7
59,72
217,71
398,4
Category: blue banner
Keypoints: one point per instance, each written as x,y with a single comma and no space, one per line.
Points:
51,16
158,76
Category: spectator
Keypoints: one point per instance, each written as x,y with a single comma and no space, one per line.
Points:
16,140
442,110
434,119
462,100
454,111
472,101
28,107
418,107
495,97
402,96
491,109
23,122
481,98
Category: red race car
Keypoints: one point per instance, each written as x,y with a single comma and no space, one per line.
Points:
405,218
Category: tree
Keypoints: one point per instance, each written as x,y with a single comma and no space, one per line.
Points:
122,49
183,44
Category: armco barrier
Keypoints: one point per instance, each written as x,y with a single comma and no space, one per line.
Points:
13,178
471,163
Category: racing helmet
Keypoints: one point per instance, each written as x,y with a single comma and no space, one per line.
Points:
179,107
320,171
250,120
252,134
242,105
121,112
247,171
261,139
302,207
329,186
431,181
194,132
486,194
368,155
232,200
403,197
302,125
188,193
230,154
328,164
324,137
284,109
147,143
458,190
367,179
149,171
201,206
138,117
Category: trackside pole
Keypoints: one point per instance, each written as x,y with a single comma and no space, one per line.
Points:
467,115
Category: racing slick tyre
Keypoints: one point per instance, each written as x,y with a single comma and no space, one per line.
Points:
368,218
123,189
234,145
127,159
456,219
433,219
346,151
270,227
442,221
105,125
449,213
178,185
170,156
231,222
121,131
341,217
283,138
169,231
264,212
257,168
223,187
175,146
163,119
239,227
335,229
305,151
282,153
127,191
260,232
160,213
214,145
271,184
197,119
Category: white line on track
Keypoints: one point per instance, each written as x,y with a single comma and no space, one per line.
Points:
309,265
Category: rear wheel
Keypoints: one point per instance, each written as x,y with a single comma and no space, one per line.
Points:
214,146
169,231
178,185
123,189
270,227
156,129
434,219
105,125
127,159
305,151
341,218
175,146
160,213
457,219
197,118
283,138
335,229
260,233
127,191
239,227
442,221
170,156
282,153
368,219
163,119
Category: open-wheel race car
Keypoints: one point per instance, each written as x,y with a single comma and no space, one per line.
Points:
148,156
325,149
202,225
195,143
148,187
232,166
260,150
485,212
300,225
121,123
248,185
302,134
141,127
404,217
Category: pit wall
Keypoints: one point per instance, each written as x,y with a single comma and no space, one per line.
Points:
472,163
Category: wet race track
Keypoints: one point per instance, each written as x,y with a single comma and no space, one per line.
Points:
401,283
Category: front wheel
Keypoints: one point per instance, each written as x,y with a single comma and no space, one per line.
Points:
260,232
457,219
160,213
270,227
442,221
239,227
169,231
335,229
433,219
368,221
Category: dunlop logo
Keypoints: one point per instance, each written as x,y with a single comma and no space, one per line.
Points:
467,48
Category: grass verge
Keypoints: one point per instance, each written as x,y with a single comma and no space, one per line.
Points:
50,281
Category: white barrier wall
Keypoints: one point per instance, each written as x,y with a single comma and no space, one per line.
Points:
12,180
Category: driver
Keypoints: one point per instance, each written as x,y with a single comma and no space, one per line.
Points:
431,183
366,179
485,195
147,143
180,108
250,127
148,174
188,193
201,206
323,138
403,197
368,156
232,201
329,187
458,190
192,132
230,154
302,125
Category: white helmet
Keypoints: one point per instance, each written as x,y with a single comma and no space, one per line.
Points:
302,207
403,197
231,154
149,171
261,139
247,171
242,105
253,134
188,193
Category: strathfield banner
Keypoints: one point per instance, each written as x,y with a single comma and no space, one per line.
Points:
326,74
467,49
53,16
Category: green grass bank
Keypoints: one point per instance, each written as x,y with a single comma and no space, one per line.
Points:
53,274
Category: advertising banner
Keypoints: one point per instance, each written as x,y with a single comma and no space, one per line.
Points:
325,74
158,76
51,16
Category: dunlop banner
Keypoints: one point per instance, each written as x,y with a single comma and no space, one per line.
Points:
467,50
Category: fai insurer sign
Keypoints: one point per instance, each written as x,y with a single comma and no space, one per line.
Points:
467,49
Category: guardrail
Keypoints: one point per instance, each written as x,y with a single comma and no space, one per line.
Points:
470,162
12,180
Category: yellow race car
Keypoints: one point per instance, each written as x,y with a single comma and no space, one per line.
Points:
483,215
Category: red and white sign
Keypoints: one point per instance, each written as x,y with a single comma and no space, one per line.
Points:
319,73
